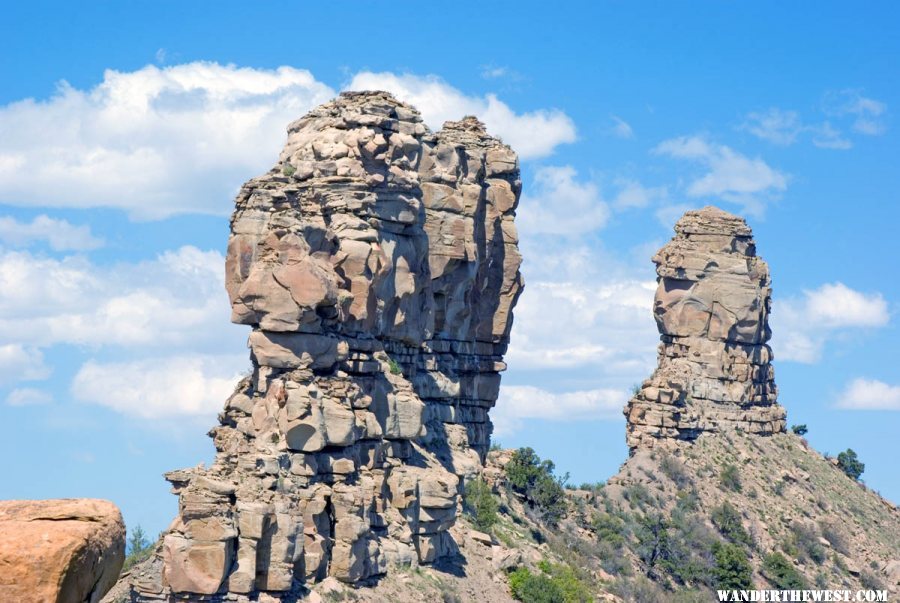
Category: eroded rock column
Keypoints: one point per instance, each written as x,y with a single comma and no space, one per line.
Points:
377,266
711,308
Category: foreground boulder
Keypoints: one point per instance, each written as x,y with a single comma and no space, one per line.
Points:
712,310
59,551
377,265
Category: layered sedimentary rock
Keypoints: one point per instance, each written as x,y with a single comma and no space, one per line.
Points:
377,265
711,308
59,551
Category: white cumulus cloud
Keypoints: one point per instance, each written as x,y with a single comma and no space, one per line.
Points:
21,363
60,235
520,402
775,125
803,325
177,299
729,175
28,396
608,326
532,134
869,394
163,387
559,203
153,142
869,115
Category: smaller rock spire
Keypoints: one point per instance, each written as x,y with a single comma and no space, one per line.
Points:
711,309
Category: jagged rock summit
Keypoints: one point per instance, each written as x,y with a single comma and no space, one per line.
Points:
377,265
712,309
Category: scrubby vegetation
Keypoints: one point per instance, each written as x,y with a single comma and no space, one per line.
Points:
481,504
850,463
730,478
674,526
533,478
137,548
781,573
732,571
552,583
728,521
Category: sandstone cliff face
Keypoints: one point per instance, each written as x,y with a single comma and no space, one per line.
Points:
711,308
377,265
59,551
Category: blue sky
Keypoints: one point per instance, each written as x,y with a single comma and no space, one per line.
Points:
125,129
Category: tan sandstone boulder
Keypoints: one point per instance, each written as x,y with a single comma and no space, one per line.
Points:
59,551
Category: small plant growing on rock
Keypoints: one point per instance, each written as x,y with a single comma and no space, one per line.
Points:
850,464
395,367
288,170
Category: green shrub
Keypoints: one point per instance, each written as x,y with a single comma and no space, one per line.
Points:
688,558
481,504
781,574
137,548
533,588
800,430
850,463
687,500
728,521
553,583
395,367
573,589
609,528
730,478
653,539
530,476
870,581
732,571
288,170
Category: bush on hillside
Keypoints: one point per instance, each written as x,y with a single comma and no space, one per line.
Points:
730,478
553,583
728,521
732,571
781,574
534,479
850,463
481,504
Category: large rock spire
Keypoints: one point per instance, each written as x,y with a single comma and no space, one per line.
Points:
377,265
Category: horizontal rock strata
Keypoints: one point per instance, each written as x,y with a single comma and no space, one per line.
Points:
377,265
711,308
